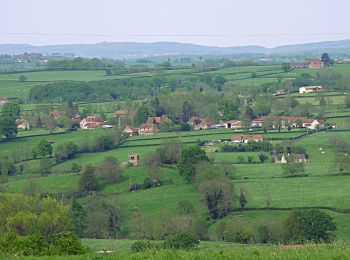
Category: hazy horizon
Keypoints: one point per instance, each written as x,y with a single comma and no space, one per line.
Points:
222,23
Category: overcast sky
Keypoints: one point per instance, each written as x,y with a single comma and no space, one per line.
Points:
234,22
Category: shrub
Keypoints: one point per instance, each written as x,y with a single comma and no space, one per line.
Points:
134,187
151,183
140,246
182,241
65,151
240,236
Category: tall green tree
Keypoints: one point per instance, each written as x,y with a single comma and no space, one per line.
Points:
187,111
228,109
141,115
326,59
190,156
8,127
88,180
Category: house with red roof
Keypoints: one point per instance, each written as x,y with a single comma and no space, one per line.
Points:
200,124
156,119
91,122
130,130
55,114
148,129
316,64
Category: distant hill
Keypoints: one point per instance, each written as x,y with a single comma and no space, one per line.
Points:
118,50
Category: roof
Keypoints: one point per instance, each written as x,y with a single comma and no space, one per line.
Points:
147,126
94,119
278,91
156,119
55,113
121,112
21,121
131,128
246,137
316,63
312,87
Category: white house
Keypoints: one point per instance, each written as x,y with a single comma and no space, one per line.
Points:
310,89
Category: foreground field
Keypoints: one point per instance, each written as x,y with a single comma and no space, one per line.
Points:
217,250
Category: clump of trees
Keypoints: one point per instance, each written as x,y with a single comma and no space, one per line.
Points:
42,149
216,189
50,235
190,156
309,225
96,218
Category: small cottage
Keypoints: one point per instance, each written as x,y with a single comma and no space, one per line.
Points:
134,159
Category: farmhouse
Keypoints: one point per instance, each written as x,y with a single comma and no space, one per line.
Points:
134,159
91,122
156,120
148,129
303,64
200,124
309,89
121,113
3,100
246,138
22,124
55,114
285,121
233,124
280,92
316,64
291,158
130,130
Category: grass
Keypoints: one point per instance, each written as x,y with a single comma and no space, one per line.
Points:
214,250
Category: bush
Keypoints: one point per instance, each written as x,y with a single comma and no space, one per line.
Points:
240,236
182,241
140,246
134,187
151,183
36,245
65,151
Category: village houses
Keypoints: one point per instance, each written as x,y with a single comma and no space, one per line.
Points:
246,138
286,121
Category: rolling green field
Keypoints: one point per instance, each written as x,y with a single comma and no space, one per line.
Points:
11,87
321,187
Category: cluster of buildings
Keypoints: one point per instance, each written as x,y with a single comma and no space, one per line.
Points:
309,63
149,128
302,90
